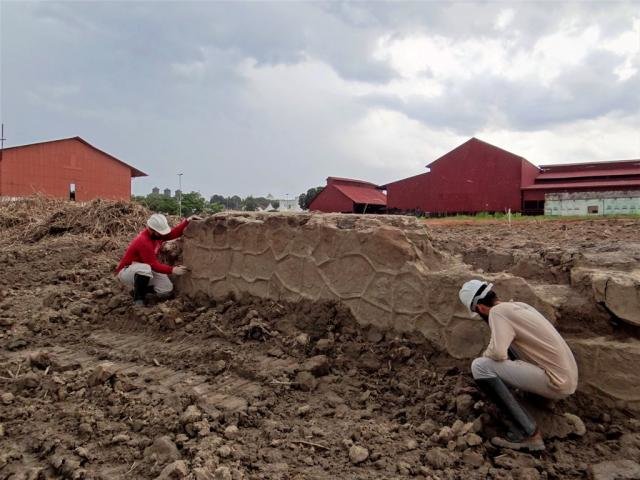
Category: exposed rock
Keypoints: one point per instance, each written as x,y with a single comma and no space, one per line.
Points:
7,398
173,471
318,365
616,470
440,458
608,369
224,451
472,458
619,291
231,432
203,474
577,424
358,454
101,373
526,473
464,404
191,414
473,439
222,473
306,381
162,450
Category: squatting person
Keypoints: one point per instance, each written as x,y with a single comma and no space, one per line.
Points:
140,268
525,352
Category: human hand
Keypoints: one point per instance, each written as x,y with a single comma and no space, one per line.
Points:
179,270
194,217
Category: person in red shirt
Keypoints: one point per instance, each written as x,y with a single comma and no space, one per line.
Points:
140,267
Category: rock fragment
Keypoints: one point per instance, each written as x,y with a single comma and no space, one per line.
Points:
191,414
231,432
358,454
222,473
174,471
616,470
162,450
440,458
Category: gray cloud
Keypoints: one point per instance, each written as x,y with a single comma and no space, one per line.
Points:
257,97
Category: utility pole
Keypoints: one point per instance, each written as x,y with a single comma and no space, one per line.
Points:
180,195
2,139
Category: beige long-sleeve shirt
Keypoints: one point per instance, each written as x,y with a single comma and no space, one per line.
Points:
535,339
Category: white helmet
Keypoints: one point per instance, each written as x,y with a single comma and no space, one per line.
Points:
472,291
158,223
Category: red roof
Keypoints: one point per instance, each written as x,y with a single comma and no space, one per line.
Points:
349,180
367,195
575,185
616,172
134,171
599,164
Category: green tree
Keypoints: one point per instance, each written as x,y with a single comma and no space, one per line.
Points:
305,199
193,203
217,199
159,204
250,204
234,203
214,207
275,204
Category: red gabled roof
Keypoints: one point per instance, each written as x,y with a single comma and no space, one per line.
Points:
368,195
614,172
574,185
476,142
599,164
349,180
134,171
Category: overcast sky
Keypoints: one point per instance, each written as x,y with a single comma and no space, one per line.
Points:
257,98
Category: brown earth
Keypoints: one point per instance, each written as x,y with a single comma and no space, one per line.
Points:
247,388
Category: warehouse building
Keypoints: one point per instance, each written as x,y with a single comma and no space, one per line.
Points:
596,188
474,177
479,177
345,195
70,168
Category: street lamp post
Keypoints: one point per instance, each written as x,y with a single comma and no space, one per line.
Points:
180,195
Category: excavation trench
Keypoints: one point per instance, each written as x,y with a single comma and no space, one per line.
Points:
387,273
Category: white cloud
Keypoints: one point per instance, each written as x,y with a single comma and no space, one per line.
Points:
605,138
504,19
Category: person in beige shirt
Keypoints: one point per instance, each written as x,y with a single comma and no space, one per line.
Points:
525,352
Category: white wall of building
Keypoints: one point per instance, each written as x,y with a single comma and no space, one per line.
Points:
592,203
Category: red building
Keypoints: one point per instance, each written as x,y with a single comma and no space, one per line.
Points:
345,195
474,177
613,176
69,168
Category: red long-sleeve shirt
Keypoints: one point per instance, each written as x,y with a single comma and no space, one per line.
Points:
144,249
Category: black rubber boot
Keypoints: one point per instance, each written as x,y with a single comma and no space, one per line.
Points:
526,427
140,286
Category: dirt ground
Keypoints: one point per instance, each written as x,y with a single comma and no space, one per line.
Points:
243,389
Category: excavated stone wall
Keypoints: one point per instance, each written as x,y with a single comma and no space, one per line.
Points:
385,269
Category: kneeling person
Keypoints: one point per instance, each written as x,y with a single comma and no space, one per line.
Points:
525,352
140,268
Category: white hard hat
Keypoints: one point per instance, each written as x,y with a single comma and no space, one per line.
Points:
158,223
472,291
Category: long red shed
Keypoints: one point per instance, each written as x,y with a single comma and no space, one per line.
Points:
70,168
345,195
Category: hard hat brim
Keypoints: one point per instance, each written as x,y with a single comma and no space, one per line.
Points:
164,231
474,300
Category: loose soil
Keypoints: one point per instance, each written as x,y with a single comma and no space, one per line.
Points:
92,388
